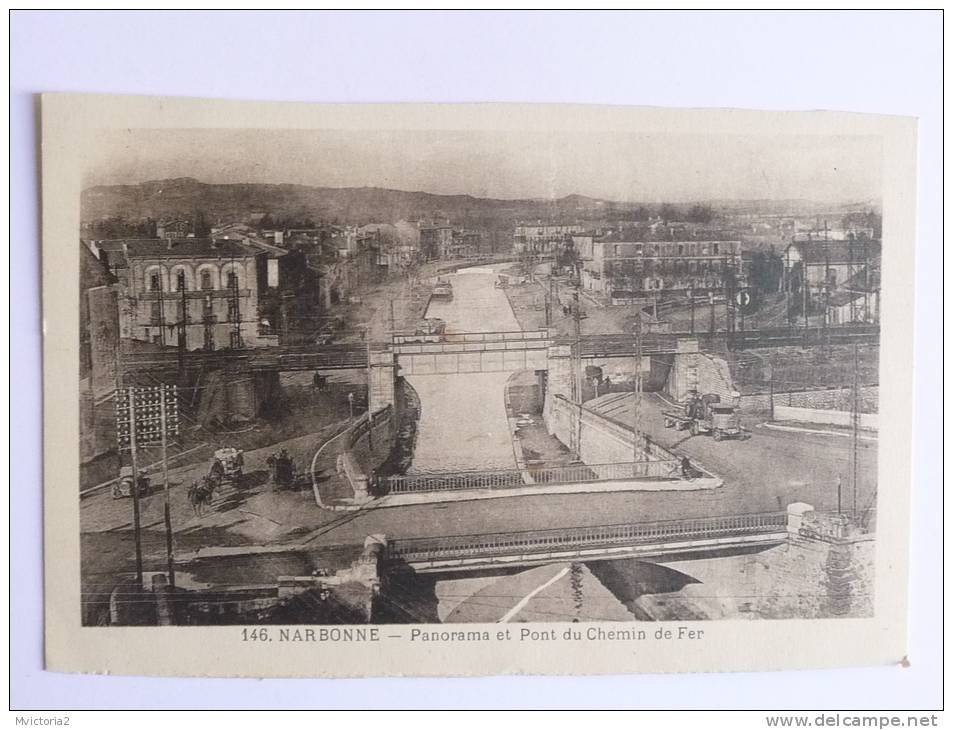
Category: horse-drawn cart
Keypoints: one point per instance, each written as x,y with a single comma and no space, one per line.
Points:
232,464
123,486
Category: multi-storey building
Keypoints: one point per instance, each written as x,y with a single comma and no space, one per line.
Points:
199,293
619,266
542,238
436,240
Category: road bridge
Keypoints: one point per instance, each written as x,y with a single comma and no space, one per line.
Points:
668,539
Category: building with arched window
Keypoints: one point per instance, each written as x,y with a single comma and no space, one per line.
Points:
200,293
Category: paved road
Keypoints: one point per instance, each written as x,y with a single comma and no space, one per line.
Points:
767,471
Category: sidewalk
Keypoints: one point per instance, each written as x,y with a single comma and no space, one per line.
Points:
798,427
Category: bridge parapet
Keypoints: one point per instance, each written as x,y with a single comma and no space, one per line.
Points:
657,470
621,540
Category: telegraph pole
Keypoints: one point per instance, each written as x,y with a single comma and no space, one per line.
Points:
691,304
135,484
637,450
577,371
163,424
855,436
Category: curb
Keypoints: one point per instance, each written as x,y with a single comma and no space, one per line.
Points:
822,431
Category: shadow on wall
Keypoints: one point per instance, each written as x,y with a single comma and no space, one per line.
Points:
630,579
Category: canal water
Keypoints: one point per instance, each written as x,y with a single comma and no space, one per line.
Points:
463,424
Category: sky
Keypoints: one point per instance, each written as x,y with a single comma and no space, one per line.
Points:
622,167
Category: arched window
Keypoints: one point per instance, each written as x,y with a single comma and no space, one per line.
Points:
206,280
155,281
232,280
180,281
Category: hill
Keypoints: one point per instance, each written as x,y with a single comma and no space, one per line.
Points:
240,201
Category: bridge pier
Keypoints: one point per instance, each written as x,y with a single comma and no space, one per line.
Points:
381,375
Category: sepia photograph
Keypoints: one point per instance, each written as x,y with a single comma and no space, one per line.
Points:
476,359
374,377
472,389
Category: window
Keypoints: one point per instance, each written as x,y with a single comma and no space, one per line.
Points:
207,315
681,249
233,311
155,315
715,246
180,281
155,283
206,280
232,280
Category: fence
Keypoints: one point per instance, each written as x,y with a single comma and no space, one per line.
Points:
502,543
503,478
474,337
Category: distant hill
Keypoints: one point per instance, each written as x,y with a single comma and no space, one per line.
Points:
226,202
243,201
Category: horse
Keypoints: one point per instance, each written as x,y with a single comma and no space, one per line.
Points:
200,495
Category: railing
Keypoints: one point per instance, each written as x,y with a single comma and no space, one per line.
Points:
460,337
561,539
504,478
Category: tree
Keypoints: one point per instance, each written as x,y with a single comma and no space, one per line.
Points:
700,214
200,225
668,212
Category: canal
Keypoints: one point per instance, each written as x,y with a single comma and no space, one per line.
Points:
463,422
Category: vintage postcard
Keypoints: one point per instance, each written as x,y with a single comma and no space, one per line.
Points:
362,390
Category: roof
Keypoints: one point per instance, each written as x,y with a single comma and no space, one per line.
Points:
160,248
836,252
92,271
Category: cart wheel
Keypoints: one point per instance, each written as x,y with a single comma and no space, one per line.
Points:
693,428
117,492
718,436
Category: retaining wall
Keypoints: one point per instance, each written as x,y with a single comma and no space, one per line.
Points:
602,440
867,421
833,399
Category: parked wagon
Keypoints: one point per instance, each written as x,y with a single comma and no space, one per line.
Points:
228,465
123,486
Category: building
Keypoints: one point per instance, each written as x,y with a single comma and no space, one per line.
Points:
542,238
828,261
98,365
436,240
171,228
197,293
620,267
839,277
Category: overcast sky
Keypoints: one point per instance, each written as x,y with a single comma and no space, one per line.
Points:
622,167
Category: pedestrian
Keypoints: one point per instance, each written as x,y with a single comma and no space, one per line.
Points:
687,469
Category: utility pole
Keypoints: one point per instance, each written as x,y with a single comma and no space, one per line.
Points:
182,333
235,299
164,424
135,484
208,317
161,313
691,305
637,446
577,372
711,307
855,436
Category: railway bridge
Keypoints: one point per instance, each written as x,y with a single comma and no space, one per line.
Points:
450,353
658,541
